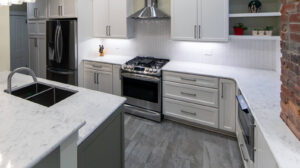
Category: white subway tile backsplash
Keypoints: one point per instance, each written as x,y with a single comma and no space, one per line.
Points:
152,38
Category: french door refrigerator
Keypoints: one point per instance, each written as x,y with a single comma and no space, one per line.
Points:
62,56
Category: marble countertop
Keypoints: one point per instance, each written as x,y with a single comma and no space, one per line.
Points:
261,89
111,59
30,131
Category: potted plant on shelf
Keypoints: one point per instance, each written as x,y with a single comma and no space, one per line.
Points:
239,29
268,30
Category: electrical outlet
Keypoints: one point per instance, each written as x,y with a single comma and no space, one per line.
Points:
208,52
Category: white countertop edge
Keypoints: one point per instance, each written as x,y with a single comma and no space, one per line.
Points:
92,131
44,155
109,59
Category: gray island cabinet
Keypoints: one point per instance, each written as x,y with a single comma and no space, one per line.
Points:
103,148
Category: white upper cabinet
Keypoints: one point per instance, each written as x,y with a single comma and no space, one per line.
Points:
37,10
228,105
100,18
200,20
184,19
213,20
62,8
110,18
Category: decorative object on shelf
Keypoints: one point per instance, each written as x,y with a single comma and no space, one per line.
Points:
101,50
254,6
261,32
13,2
269,30
239,29
255,32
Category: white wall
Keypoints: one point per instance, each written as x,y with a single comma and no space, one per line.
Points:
4,39
85,32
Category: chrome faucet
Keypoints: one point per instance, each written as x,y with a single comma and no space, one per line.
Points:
18,70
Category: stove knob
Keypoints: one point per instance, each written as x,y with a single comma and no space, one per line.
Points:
150,70
154,70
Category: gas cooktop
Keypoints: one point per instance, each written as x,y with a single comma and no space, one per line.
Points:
145,65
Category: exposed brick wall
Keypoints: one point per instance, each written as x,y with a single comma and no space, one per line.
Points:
290,63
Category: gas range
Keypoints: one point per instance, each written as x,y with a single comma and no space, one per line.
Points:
145,65
142,86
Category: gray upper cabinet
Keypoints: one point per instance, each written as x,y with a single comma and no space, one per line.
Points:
62,8
37,10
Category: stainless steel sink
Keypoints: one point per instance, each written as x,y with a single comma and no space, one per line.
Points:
40,93
43,94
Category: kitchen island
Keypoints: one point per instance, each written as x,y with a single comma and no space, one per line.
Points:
31,134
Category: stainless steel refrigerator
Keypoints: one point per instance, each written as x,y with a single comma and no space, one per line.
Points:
62,54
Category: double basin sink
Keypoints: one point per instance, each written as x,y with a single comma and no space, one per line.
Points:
43,94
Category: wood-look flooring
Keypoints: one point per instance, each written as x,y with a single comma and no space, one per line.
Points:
171,145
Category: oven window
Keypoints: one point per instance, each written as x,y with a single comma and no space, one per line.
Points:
139,89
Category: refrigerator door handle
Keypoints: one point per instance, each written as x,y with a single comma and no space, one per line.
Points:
60,72
59,44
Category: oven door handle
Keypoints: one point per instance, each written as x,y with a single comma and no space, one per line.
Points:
141,77
242,103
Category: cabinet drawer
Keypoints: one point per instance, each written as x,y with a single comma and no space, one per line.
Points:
36,27
202,81
98,66
191,94
191,112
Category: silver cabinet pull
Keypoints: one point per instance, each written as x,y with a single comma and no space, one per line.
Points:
243,155
97,78
35,42
199,33
187,112
109,30
222,94
189,94
94,78
106,30
195,32
35,12
60,10
186,79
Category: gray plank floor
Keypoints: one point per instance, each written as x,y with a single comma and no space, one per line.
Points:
171,145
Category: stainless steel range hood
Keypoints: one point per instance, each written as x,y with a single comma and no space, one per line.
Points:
150,11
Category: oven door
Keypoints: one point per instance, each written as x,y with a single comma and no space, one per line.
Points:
142,91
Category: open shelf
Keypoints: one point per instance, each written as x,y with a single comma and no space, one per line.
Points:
264,14
249,37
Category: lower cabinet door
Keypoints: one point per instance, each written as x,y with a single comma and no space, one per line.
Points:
104,81
203,115
33,54
90,79
117,83
42,57
228,105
